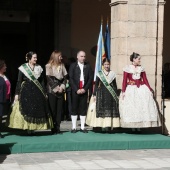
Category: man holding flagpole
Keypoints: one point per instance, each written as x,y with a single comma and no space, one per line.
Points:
80,78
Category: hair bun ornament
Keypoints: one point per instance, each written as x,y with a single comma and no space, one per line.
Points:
134,54
26,56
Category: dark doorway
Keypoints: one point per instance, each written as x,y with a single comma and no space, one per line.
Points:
13,48
25,26
166,52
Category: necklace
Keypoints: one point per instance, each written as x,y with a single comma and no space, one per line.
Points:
135,72
31,66
58,68
134,65
106,73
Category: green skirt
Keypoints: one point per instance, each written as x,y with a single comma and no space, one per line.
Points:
17,121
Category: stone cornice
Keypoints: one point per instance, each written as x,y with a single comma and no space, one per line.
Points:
162,2
113,3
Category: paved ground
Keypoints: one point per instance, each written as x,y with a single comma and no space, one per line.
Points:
88,160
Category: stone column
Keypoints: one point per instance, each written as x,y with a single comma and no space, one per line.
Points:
119,36
158,76
137,26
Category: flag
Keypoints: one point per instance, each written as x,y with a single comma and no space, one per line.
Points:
100,53
107,42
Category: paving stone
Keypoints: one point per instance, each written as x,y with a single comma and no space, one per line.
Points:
68,164
166,159
126,164
106,164
31,167
145,164
50,166
0,167
10,166
159,162
89,165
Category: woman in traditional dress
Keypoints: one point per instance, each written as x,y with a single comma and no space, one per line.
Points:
5,90
103,107
136,105
56,81
30,111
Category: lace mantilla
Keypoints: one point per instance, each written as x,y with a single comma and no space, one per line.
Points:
37,71
110,77
135,71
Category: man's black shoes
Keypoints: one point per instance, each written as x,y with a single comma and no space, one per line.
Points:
54,131
83,130
73,131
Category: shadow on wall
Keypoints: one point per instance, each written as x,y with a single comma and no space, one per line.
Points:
166,81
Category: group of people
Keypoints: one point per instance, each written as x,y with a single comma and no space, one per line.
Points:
135,107
38,105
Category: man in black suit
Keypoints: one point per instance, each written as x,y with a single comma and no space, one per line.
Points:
80,78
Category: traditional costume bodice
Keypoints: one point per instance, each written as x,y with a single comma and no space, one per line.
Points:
23,76
8,87
134,76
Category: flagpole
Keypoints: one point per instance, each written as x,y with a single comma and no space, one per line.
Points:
100,53
102,19
107,40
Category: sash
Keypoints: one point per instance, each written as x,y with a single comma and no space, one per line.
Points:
112,92
28,73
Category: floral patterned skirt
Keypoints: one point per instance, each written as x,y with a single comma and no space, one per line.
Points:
138,108
94,121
